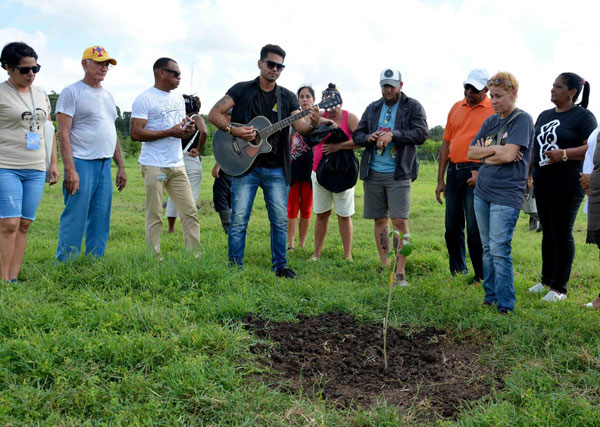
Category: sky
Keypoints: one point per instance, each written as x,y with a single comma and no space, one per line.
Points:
433,43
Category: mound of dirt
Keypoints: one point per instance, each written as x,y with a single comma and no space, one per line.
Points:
332,354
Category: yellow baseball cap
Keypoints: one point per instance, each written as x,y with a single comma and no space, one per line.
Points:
98,54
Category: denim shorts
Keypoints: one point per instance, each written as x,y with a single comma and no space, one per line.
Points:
20,192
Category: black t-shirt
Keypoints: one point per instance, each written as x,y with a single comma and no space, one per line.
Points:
244,95
560,131
265,104
302,158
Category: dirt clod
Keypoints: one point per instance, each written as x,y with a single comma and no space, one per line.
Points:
333,354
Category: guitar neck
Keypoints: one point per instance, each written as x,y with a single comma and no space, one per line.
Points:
276,127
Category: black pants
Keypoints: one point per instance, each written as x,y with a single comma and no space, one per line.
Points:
557,210
459,206
222,192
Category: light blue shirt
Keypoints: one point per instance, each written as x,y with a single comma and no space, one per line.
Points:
384,161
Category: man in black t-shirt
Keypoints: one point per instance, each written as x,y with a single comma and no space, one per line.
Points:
270,171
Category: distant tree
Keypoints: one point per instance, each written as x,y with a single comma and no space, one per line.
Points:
429,150
53,97
207,150
436,133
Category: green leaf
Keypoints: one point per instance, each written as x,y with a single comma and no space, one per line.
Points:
407,249
390,254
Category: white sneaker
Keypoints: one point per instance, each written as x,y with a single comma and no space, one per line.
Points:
400,280
553,296
537,289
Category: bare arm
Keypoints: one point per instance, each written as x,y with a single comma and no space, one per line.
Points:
138,131
304,127
496,154
54,174
71,180
444,158
217,114
121,179
575,153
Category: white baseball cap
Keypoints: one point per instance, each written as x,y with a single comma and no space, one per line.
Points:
390,77
478,78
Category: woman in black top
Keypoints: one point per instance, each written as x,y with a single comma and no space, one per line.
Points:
300,198
560,146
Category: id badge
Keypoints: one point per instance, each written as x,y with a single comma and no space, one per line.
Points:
161,176
33,141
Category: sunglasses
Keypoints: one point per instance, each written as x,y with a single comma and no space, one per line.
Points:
174,72
25,70
498,82
273,65
471,88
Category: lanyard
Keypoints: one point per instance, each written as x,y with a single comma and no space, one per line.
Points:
33,118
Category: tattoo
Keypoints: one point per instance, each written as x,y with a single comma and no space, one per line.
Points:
384,239
223,100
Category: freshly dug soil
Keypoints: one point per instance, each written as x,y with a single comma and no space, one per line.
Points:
332,354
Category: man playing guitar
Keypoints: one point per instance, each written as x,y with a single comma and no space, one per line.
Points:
271,171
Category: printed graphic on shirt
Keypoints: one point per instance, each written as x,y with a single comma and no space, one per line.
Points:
40,116
391,148
491,140
547,140
275,108
298,146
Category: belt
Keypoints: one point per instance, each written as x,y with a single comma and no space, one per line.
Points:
465,165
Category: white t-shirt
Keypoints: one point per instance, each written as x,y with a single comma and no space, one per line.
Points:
161,110
93,132
588,163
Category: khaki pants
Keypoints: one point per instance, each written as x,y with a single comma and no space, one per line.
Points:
178,187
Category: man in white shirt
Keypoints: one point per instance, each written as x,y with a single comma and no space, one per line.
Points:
86,114
158,120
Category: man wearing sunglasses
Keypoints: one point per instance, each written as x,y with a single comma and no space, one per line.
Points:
86,114
158,119
390,130
270,171
464,121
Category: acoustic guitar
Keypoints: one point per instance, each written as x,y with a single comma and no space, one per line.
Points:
236,155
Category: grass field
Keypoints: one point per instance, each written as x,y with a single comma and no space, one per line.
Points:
130,340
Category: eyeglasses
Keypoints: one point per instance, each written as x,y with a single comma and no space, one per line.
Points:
25,70
498,82
472,88
273,65
174,72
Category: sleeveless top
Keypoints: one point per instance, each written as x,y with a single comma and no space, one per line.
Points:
318,149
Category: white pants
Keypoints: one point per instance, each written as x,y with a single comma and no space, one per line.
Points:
193,168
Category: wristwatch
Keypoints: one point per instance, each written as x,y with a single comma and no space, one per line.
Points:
564,157
228,129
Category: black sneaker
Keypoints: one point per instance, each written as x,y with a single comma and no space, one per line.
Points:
286,272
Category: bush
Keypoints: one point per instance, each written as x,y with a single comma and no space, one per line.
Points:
430,150
129,147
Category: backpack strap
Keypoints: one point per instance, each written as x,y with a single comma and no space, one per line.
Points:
498,138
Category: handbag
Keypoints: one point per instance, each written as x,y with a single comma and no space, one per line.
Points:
48,139
338,171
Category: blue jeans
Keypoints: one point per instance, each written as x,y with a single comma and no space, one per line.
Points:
20,192
496,226
243,192
87,211
459,205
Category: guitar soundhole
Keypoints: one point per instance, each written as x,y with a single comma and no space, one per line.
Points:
257,140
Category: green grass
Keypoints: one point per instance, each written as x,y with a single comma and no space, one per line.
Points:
128,340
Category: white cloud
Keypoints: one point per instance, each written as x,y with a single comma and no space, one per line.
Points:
433,44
